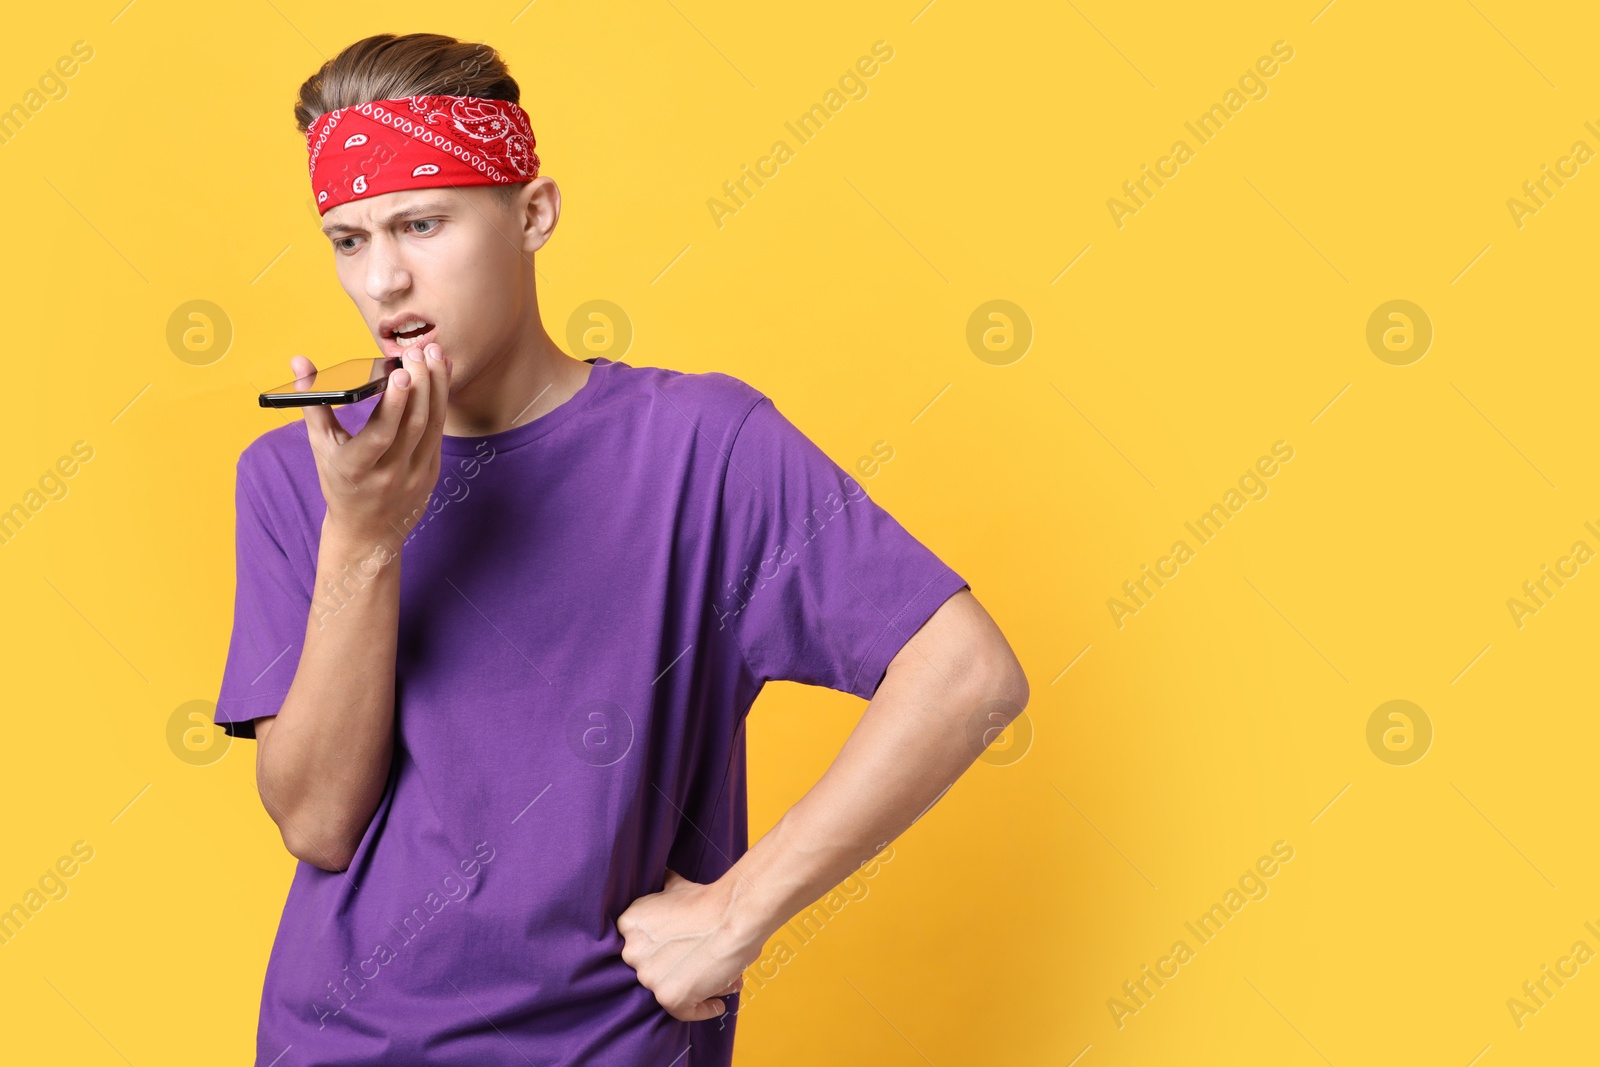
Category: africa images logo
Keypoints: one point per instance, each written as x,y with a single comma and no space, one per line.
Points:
782,554
452,889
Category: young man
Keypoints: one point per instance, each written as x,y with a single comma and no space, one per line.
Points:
500,714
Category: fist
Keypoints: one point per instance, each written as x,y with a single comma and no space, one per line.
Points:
681,942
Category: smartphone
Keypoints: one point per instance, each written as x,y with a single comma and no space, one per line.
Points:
342,383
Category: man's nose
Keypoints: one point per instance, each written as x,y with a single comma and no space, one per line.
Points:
386,270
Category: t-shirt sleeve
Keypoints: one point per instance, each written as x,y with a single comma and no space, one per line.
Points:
816,583
271,605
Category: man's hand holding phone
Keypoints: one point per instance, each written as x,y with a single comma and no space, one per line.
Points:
377,482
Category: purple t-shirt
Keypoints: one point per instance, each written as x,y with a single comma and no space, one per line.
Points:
587,610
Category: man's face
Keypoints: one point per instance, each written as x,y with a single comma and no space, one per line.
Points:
454,259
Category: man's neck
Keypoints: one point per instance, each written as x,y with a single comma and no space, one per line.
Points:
524,384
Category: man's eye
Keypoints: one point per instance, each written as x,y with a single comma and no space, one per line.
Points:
340,243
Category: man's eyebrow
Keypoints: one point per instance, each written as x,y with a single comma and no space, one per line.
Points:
415,211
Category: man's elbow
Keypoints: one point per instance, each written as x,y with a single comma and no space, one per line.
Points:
333,859
987,674
998,679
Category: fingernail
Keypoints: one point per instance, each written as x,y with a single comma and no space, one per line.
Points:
433,354
401,378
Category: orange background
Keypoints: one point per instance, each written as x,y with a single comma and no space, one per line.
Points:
1145,361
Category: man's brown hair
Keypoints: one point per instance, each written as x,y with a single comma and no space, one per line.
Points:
385,66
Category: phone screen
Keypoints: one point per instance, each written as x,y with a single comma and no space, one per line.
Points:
341,377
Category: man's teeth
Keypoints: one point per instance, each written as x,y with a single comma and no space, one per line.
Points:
408,327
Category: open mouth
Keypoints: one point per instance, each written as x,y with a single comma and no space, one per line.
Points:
410,334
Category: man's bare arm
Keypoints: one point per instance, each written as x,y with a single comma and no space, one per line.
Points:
323,761
913,741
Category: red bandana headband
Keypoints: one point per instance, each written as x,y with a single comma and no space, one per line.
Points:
418,142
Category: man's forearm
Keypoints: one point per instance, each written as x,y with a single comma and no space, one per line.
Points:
912,742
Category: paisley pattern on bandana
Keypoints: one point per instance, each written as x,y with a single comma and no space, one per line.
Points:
418,142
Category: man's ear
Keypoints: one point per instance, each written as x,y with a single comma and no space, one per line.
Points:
537,209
